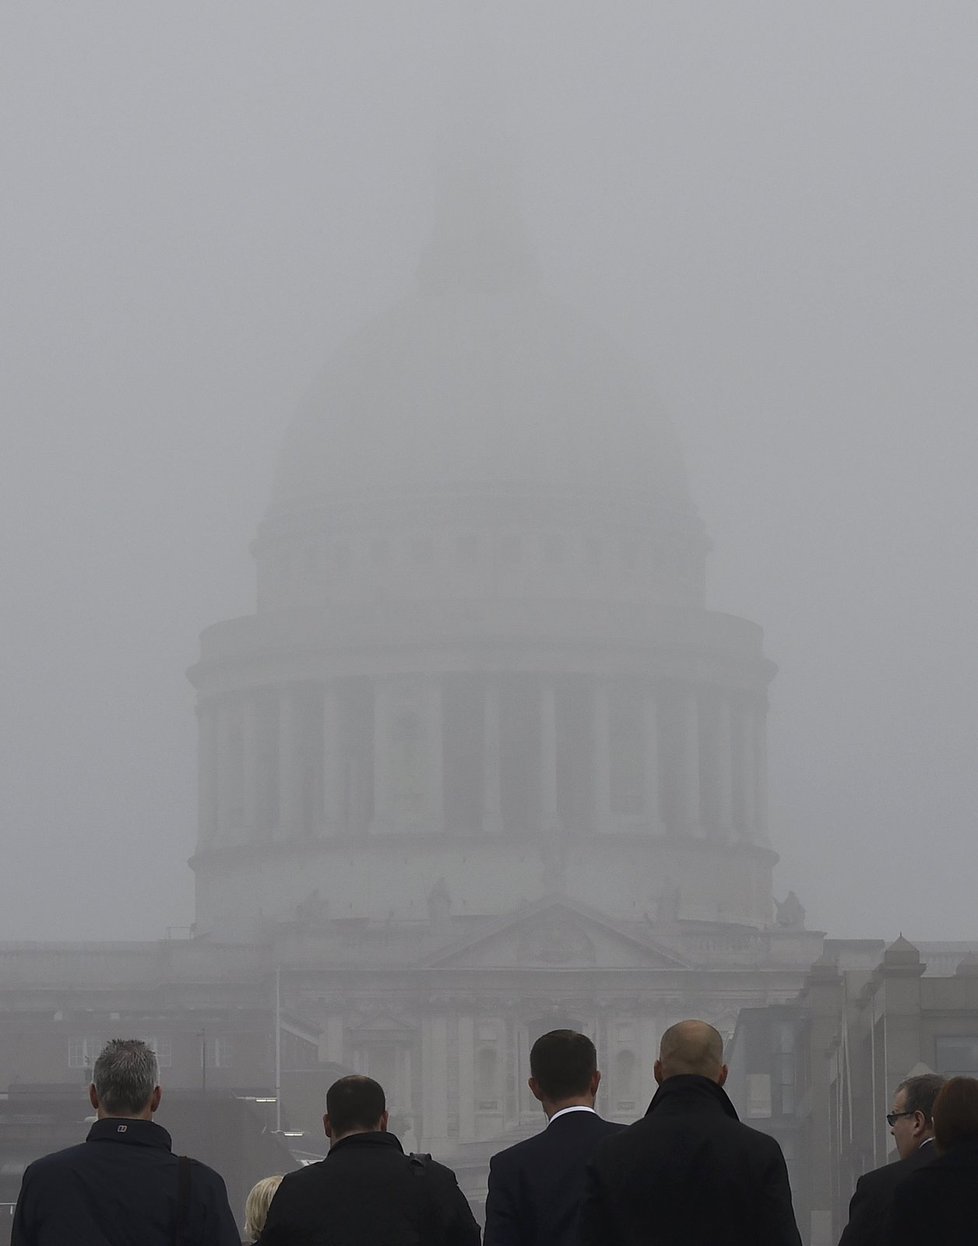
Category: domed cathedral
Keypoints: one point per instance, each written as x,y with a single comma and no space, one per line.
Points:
482,762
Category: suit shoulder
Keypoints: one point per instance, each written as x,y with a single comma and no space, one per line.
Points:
888,1175
519,1151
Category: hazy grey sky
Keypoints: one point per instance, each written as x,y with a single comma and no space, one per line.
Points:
773,206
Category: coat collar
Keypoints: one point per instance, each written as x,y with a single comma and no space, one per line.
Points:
687,1091
122,1129
371,1138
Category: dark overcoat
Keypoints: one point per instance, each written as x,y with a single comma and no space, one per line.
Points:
939,1202
122,1185
367,1192
688,1174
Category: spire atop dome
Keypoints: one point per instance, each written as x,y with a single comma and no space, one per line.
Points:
479,237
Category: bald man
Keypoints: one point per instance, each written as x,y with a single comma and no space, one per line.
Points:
689,1171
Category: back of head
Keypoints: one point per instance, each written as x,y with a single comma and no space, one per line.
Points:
354,1104
563,1063
125,1076
921,1092
257,1204
956,1113
691,1047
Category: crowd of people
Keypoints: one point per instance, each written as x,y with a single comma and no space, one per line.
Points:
689,1171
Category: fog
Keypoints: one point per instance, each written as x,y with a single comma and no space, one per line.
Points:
771,207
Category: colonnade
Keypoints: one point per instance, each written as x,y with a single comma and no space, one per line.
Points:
305,759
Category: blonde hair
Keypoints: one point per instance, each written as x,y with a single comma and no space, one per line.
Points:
257,1204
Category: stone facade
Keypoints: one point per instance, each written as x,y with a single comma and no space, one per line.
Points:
481,764
820,1072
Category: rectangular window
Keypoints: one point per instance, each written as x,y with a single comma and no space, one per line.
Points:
164,1051
83,1052
223,1053
758,1095
957,1054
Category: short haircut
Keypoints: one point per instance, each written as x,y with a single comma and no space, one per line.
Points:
956,1113
921,1092
355,1103
257,1204
125,1076
691,1047
563,1063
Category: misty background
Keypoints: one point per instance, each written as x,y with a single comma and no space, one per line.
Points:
771,206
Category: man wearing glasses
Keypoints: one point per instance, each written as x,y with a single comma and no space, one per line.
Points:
912,1128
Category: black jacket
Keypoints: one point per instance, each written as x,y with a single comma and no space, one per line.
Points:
938,1202
120,1188
535,1187
688,1174
873,1196
367,1192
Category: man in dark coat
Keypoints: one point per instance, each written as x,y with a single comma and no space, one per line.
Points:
535,1187
689,1172
123,1184
938,1201
912,1126
367,1191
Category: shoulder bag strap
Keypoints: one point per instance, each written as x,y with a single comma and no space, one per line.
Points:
183,1198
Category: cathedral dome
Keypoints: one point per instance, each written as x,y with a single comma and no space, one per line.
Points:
494,388
479,380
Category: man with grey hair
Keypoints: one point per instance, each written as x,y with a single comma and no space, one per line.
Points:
911,1123
123,1184
689,1171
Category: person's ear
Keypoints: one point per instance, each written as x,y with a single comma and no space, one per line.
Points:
155,1097
723,1074
535,1090
382,1127
595,1083
657,1072
93,1096
327,1127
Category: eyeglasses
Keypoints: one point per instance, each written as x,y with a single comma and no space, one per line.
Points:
893,1117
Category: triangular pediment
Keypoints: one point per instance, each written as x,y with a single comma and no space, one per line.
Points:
555,934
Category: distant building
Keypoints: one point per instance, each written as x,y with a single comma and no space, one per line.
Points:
482,763
819,1072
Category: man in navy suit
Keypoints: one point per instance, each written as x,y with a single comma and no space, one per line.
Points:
535,1187
912,1126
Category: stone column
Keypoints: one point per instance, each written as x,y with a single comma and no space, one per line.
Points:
760,771
548,758
383,715
690,764
332,762
289,773
747,779
331,1042
435,786
601,756
724,764
466,1078
434,1081
249,767
224,794
651,722
207,774
492,810
407,1088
